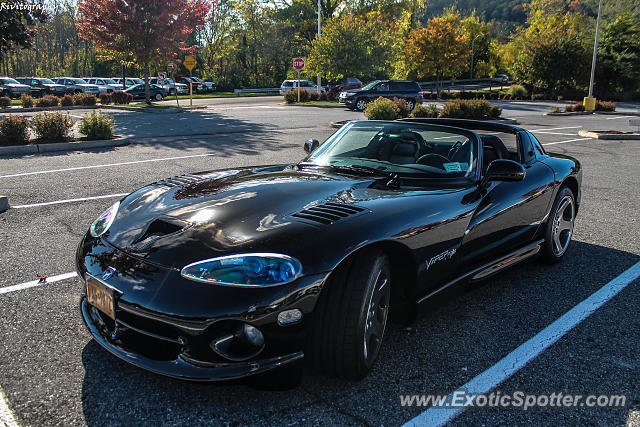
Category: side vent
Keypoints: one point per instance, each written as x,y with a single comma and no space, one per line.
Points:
174,181
328,213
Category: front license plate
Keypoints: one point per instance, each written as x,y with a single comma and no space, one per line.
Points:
100,296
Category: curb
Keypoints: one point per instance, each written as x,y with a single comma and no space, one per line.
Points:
338,125
586,113
610,136
144,110
62,146
570,113
94,107
317,106
4,203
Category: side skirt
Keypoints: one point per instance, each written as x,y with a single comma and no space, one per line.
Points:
488,269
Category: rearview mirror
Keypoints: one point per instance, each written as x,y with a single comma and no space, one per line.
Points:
310,145
504,170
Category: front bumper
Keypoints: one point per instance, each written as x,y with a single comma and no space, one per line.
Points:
155,331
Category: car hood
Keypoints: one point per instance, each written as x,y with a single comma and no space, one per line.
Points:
184,219
52,85
17,85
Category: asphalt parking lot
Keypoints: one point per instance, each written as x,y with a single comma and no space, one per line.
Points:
52,372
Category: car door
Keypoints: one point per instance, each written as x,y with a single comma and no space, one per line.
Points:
381,89
509,213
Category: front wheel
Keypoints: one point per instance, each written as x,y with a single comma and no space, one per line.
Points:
158,97
361,104
411,104
559,228
351,316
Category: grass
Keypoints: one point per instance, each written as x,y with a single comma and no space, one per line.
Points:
219,95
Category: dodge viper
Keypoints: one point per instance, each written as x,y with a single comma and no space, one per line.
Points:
244,272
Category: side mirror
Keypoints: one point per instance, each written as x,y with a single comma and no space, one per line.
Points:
504,170
310,145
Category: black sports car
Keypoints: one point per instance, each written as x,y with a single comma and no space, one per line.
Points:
156,92
232,273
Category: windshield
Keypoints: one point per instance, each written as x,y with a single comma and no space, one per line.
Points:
109,81
47,81
168,80
196,79
79,81
409,149
370,85
9,80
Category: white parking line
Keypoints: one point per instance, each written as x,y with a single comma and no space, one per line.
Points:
37,282
6,415
107,165
546,130
614,118
564,142
557,133
528,351
83,199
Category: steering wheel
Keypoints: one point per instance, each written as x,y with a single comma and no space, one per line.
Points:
435,160
454,150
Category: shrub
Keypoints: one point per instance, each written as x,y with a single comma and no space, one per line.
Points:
66,101
26,101
97,125
538,96
14,130
324,96
403,108
290,97
445,94
5,101
518,92
121,97
48,101
313,96
420,110
105,98
470,109
605,106
53,126
382,109
84,99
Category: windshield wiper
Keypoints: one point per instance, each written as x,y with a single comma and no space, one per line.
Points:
393,180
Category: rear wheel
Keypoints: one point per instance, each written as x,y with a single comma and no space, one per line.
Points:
351,316
361,104
158,97
559,228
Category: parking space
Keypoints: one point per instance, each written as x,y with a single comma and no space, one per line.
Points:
52,372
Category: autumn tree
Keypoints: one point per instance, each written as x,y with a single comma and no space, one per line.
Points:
439,50
146,30
18,24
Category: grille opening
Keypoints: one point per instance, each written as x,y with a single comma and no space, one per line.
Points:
328,213
159,228
174,181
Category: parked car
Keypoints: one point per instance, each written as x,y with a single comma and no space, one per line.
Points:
104,84
188,81
129,81
41,86
357,99
215,275
76,85
155,91
171,86
13,88
288,85
205,86
501,78
347,83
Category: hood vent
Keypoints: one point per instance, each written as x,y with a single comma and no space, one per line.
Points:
174,181
328,213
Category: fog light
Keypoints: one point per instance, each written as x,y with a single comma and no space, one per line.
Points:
288,317
251,335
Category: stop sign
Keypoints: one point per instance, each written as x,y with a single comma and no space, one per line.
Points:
298,63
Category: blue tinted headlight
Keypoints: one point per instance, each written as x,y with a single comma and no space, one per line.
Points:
104,221
252,270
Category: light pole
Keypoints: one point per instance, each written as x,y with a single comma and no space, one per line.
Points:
595,51
473,45
319,19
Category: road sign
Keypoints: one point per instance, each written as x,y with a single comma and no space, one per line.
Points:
189,62
298,63
162,75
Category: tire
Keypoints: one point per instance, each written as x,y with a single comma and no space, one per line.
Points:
351,315
171,92
559,228
411,104
361,104
158,97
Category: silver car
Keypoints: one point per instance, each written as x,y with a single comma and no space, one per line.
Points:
170,86
105,85
77,85
12,88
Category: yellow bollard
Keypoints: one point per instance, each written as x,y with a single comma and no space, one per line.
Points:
589,103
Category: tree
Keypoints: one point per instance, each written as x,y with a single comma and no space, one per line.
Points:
350,46
439,51
550,54
18,24
146,30
619,56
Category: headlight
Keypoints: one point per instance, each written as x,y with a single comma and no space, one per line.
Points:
104,221
251,270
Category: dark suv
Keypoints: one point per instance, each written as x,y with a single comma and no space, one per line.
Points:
41,86
408,90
